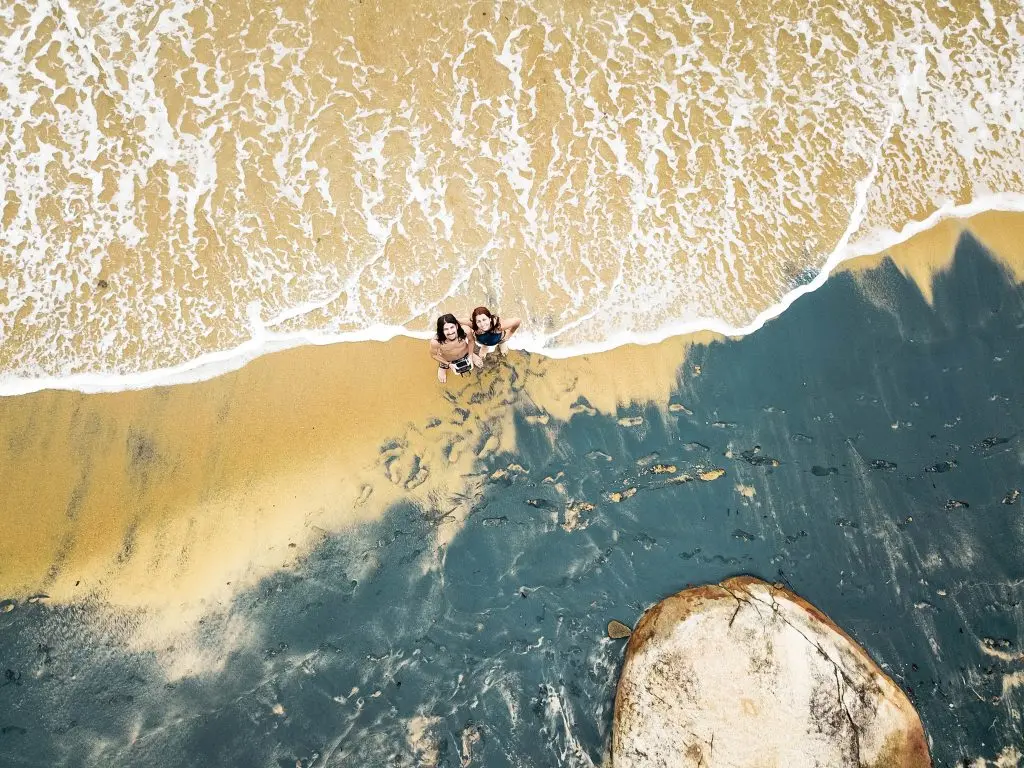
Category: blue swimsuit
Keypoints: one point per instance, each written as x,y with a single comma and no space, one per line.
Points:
489,338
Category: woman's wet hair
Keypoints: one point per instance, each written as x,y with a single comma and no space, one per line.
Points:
495,320
444,320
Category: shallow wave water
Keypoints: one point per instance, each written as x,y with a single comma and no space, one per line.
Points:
187,186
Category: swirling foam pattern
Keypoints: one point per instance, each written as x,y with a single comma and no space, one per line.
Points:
178,177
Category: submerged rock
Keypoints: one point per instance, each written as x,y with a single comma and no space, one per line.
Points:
749,674
617,630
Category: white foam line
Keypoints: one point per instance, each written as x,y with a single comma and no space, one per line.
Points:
1005,201
263,342
201,368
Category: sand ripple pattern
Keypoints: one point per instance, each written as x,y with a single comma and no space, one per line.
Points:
178,177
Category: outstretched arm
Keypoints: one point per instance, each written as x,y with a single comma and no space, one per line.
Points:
510,326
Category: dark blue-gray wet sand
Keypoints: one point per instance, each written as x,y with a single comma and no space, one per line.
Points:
896,430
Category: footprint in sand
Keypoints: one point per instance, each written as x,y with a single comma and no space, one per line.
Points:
418,478
407,470
489,447
364,494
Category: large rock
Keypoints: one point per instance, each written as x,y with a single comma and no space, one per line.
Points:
746,674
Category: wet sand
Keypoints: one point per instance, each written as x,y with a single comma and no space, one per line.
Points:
172,499
224,562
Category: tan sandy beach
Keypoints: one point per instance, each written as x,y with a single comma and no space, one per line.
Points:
171,499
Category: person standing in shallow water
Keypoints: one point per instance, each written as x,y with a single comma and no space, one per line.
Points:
453,347
490,331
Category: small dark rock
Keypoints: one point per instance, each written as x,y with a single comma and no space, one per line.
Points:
989,442
617,630
1002,643
753,457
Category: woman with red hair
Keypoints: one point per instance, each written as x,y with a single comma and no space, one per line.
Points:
491,331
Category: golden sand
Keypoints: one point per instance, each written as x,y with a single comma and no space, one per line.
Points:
170,500
168,490
931,252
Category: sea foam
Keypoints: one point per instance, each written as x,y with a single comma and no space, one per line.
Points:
185,187
265,341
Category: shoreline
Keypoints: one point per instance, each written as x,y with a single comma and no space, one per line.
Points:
297,431
1005,208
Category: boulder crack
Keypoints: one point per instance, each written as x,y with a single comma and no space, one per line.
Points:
849,718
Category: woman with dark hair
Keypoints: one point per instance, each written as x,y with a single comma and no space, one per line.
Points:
490,331
453,347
